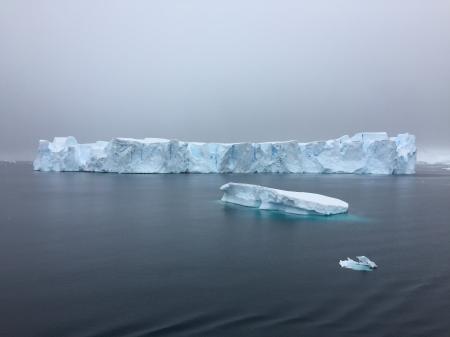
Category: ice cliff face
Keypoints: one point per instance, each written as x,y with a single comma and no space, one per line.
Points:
364,153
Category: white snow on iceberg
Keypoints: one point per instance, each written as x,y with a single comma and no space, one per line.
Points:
364,153
363,264
279,200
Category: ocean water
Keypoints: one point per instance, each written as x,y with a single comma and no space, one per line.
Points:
84,255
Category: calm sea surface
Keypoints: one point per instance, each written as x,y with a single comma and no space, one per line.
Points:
85,254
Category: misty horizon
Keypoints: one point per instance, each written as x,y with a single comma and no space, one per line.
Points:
222,72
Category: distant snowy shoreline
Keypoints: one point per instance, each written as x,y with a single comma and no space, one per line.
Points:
434,156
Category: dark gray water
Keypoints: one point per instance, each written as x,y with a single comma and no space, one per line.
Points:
85,254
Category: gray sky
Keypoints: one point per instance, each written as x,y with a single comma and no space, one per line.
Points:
231,70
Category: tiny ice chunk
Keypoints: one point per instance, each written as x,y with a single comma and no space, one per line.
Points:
363,264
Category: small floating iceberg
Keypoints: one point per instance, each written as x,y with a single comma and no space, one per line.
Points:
363,264
279,200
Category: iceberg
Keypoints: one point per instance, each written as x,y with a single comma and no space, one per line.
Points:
363,153
267,198
363,264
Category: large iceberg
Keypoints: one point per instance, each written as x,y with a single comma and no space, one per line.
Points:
369,152
279,200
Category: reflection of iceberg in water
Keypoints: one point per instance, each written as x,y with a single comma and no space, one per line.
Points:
363,264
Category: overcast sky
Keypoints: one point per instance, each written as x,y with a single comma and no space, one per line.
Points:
231,70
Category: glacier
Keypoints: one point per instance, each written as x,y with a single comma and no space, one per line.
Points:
363,264
363,153
267,198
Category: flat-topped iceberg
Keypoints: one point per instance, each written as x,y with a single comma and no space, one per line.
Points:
279,200
372,152
363,264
